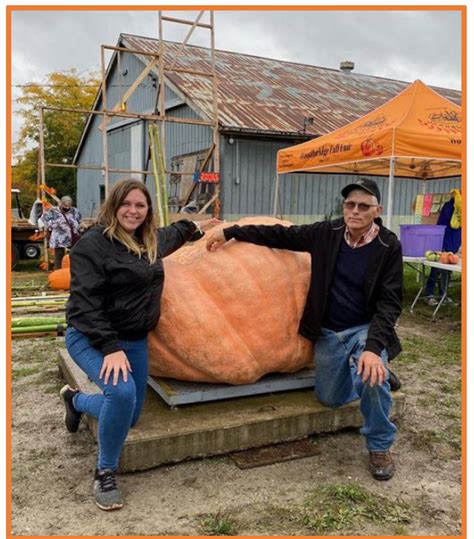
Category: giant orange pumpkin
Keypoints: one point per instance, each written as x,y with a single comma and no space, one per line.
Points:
232,315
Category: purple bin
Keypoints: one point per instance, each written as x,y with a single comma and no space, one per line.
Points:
417,239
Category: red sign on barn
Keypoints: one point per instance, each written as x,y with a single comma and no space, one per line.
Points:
209,177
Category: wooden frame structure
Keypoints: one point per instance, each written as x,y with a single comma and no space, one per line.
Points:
119,108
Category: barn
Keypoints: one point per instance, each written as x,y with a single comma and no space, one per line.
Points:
263,105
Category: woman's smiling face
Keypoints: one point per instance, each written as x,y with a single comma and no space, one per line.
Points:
133,210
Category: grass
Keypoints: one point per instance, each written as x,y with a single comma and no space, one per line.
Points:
38,359
431,366
445,351
345,506
28,275
218,524
23,372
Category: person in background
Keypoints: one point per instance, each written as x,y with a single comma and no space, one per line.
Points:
352,306
450,217
63,222
117,278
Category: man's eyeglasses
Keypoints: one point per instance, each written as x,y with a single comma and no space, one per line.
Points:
361,206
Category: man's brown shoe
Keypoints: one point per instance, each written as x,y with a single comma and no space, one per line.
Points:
381,465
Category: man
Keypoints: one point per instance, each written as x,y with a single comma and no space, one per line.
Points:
63,221
353,302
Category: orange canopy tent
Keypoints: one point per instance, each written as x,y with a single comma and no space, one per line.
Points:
416,134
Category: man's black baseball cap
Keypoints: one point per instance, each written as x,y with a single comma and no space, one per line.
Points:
366,184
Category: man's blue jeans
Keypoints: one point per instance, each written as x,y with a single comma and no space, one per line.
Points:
336,357
118,407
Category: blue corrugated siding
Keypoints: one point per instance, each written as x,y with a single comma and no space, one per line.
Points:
248,176
143,98
180,138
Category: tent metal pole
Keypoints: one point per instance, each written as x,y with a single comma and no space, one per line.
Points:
277,188
391,185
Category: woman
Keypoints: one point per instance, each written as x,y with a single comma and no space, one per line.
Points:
63,222
116,284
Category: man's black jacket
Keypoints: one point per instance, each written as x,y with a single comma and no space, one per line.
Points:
383,281
114,293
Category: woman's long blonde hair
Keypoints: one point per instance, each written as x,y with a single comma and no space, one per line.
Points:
144,240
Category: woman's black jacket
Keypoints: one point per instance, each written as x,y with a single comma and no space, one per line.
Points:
383,281
114,293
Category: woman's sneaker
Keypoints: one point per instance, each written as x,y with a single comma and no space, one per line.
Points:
107,495
72,417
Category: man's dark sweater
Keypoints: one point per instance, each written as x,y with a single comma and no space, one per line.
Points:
347,306
382,287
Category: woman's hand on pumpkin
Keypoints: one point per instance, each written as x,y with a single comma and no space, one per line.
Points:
215,239
207,224
114,364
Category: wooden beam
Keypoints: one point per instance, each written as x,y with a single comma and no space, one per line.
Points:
183,21
136,83
183,44
103,126
133,51
152,117
208,203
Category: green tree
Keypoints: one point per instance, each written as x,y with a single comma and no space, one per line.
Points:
62,130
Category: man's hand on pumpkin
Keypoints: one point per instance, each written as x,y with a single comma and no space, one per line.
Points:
215,239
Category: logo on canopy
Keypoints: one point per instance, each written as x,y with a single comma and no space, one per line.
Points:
369,148
447,121
369,126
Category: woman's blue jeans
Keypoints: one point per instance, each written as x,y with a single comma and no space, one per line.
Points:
118,407
336,356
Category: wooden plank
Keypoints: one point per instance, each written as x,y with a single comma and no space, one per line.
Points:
35,335
201,168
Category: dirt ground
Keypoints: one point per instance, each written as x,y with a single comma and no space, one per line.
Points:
331,493
52,470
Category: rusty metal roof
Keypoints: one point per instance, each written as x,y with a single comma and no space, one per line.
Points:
263,94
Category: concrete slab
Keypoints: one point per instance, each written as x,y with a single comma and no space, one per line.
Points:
163,435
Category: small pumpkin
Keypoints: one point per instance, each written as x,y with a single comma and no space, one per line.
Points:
60,279
65,262
444,258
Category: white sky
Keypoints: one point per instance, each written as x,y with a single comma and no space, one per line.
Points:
405,45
